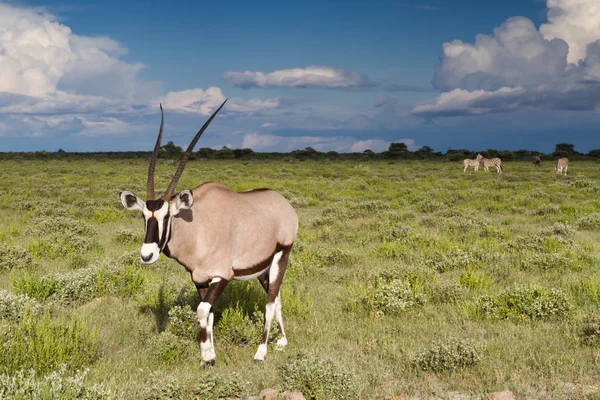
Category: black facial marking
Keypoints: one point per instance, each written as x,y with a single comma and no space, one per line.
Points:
130,200
185,198
151,231
154,205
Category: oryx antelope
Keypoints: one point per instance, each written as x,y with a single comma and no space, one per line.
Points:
218,235
471,163
490,162
562,165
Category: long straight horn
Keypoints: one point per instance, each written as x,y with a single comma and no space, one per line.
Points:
150,186
185,156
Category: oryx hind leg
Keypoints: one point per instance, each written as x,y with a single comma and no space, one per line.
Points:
273,307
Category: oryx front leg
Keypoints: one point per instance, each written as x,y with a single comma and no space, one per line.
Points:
206,319
273,308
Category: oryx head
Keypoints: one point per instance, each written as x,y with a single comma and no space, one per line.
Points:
157,213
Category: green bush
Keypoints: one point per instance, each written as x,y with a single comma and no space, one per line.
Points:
586,291
472,278
183,322
12,258
128,236
211,387
547,209
26,385
12,307
236,327
318,378
447,292
58,244
449,355
83,284
393,296
590,331
43,344
524,302
169,348
589,221
453,258
62,224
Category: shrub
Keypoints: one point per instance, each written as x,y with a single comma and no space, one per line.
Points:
318,379
12,258
57,385
335,257
546,262
559,228
183,322
392,296
474,279
127,236
169,348
236,327
454,258
586,291
469,224
525,302
82,284
548,209
447,292
590,332
59,244
449,355
589,221
62,224
43,344
12,307
211,387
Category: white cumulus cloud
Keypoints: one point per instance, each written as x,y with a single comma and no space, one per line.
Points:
206,101
311,76
575,21
556,67
40,57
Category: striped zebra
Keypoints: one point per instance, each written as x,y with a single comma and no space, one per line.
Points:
471,163
562,165
490,162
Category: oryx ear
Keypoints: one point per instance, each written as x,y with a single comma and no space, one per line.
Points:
184,201
131,202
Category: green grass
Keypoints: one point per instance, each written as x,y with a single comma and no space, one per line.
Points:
408,278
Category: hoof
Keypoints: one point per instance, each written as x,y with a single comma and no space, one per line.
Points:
209,363
258,361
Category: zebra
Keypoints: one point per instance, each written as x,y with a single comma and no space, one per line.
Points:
471,163
489,162
562,164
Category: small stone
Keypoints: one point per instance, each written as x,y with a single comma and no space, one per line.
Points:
297,395
505,395
268,394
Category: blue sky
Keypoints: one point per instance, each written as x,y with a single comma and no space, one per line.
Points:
343,76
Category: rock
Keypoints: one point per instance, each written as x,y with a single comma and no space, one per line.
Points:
293,396
505,395
268,394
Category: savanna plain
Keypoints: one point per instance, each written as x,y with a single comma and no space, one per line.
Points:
407,279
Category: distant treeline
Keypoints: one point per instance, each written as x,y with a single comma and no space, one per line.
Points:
396,151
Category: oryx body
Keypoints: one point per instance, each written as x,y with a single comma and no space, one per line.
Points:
562,165
219,235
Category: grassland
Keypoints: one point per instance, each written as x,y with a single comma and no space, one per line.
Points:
408,278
